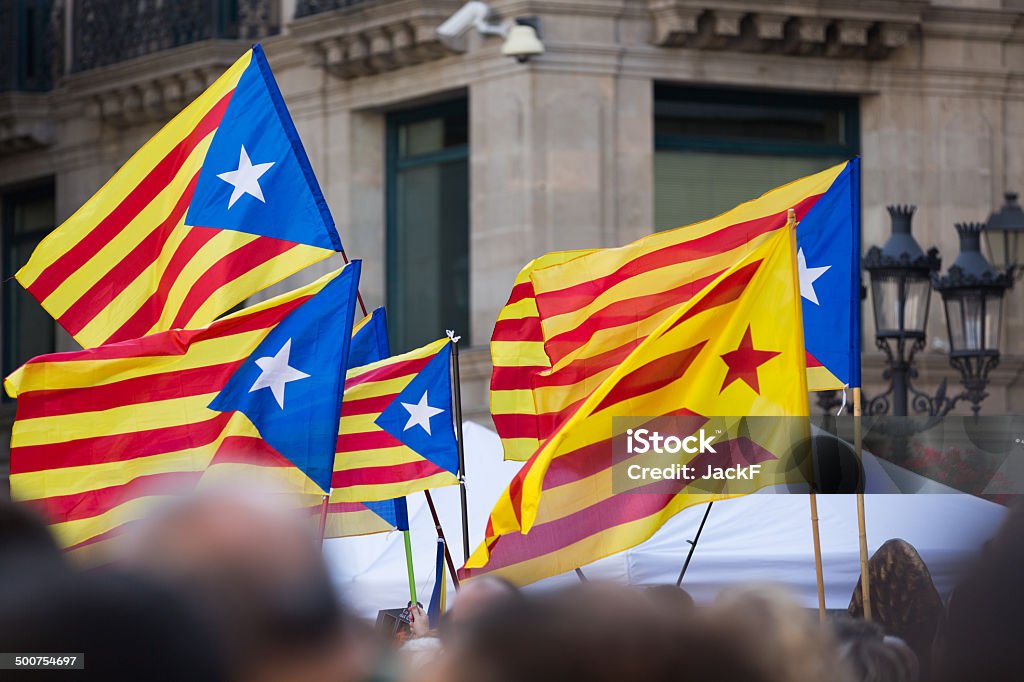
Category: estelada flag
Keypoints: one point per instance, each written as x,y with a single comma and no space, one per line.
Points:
574,316
219,204
101,434
735,349
397,433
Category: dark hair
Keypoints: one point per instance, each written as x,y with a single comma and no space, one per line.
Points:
126,627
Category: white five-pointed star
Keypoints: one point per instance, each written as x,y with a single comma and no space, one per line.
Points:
276,372
420,414
808,276
246,179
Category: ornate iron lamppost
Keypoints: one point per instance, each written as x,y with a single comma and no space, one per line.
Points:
900,273
1004,236
902,276
972,293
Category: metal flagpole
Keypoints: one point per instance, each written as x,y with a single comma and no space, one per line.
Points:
440,534
580,575
858,444
409,568
457,410
693,544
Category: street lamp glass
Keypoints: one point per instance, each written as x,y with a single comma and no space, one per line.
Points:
900,301
1003,235
973,318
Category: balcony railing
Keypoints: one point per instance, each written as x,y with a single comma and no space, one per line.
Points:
110,31
304,8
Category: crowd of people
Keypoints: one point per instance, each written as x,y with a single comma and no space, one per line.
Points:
230,588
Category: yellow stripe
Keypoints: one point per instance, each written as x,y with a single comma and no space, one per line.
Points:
423,352
351,461
36,485
519,354
375,389
131,173
821,379
374,493
124,419
80,530
521,309
519,449
99,264
512,402
260,277
350,524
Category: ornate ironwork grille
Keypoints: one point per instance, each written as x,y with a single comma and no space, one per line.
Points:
110,31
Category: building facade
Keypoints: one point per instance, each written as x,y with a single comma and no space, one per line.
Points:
448,166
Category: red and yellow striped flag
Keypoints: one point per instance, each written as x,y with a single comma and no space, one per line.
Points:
101,434
735,349
128,263
594,309
370,463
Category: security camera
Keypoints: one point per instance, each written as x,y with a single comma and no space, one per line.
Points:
469,15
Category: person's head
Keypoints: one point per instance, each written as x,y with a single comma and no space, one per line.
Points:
27,549
258,572
670,597
476,598
873,656
126,628
785,637
594,633
981,636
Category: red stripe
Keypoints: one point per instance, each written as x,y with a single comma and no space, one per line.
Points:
127,269
514,378
108,535
227,269
518,329
137,390
176,342
609,512
386,475
651,376
143,320
374,405
520,291
117,447
574,297
516,425
250,450
140,196
90,503
365,441
622,312
392,370
348,508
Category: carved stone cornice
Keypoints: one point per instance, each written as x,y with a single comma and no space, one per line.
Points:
25,123
867,30
370,38
149,88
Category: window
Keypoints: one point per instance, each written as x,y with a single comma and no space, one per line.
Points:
27,216
427,224
715,149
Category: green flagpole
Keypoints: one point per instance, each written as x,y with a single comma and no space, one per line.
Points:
408,565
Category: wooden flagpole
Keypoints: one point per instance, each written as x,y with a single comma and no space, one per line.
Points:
440,534
858,444
819,574
323,517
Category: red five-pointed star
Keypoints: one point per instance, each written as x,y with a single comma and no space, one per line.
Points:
744,361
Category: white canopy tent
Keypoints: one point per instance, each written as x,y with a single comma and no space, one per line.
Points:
758,538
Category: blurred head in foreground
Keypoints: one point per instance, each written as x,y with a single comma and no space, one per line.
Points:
128,629
785,638
982,636
257,572
595,633
871,655
475,599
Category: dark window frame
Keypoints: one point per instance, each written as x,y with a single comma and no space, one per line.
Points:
847,106
394,164
24,192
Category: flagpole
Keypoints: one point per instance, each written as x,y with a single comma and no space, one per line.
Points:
693,544
359,296
323,517
819,574
858,444
408,566
457,409
440,534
